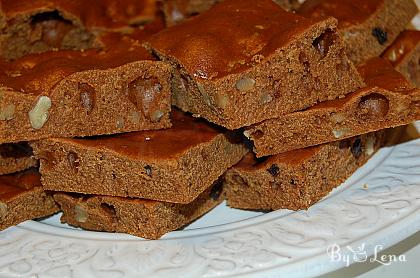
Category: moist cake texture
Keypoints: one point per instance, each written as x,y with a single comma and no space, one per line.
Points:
388,100
173,165
297,179
143,218
253,61
83,93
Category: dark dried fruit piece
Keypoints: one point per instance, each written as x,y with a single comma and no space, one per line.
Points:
50,27
109,210
373,106
357,148
380,35
217,189
344,144
274,170
148,169
323,42
142,92
87,96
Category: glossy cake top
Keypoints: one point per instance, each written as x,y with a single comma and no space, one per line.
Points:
14,184
186,132
104,14
37,74
379,72
348,12
231,37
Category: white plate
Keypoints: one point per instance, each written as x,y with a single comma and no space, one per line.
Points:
379,204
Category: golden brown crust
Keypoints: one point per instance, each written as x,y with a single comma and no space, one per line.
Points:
236,31
104,14
347,12
186,132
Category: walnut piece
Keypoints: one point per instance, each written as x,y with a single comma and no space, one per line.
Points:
340,132
38,116
221,100
156,116
370,146
3,210
80,214
7,112
245,84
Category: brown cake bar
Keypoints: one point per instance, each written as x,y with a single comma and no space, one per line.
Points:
39,25
139,217
367,27
22,198
176,11
253,61
173,165
16,157
389,100
80,93
404,55
297,179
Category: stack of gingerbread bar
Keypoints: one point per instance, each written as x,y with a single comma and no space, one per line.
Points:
141,116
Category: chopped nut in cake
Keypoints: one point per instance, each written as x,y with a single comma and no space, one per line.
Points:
297,179
173,165
404,55
389,100
139,217
242,62
80,93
